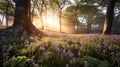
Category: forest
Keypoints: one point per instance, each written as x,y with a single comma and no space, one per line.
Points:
59,33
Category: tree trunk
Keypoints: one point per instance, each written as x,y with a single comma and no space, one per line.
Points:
41,12
76,23
53,20
88,27
23,16
89,20
7,8
42,21
109,17
60,18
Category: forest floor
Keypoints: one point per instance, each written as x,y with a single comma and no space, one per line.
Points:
58,34
56,49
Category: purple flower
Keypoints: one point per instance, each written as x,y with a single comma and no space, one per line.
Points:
112,53
41,48
81,47
35,65
70,54
67,65
32,59
4,55
47,53
46,45
86,64
73,61
104,51
106,42
79,53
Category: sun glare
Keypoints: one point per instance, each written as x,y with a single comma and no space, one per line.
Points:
50,21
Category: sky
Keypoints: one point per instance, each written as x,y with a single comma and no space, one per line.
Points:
2,18
72,0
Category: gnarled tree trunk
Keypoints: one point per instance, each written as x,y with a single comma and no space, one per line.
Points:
23,17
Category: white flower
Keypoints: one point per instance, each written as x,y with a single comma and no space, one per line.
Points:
67,65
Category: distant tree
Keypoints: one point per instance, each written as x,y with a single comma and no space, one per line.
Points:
38,5
6,9
98,22
82,12
77,4
58,6
71,13
89,15
79,9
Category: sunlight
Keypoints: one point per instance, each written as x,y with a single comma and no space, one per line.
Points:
37,21
50,21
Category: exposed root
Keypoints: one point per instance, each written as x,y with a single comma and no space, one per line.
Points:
33,31
11,33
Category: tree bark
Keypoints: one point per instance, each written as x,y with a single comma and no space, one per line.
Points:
76,28
23,16
88,26
109,17
89,20
60,18
7,8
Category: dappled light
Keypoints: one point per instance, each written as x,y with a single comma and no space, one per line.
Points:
59,33
50,22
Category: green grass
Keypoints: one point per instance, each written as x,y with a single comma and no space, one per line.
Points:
63,50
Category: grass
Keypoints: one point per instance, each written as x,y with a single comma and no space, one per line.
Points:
62,50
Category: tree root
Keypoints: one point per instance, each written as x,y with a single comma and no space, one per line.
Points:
13,32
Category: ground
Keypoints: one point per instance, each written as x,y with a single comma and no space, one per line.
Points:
56,49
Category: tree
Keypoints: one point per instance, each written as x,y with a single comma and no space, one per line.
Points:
72,13
109,17
77,4
23,17
39,5
82,12
58,6
6,9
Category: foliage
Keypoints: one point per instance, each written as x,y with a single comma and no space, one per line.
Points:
4,4
88,51
20,61
78,15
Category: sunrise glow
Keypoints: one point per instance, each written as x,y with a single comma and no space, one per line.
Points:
50,21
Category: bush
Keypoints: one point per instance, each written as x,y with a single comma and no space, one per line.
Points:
20,61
